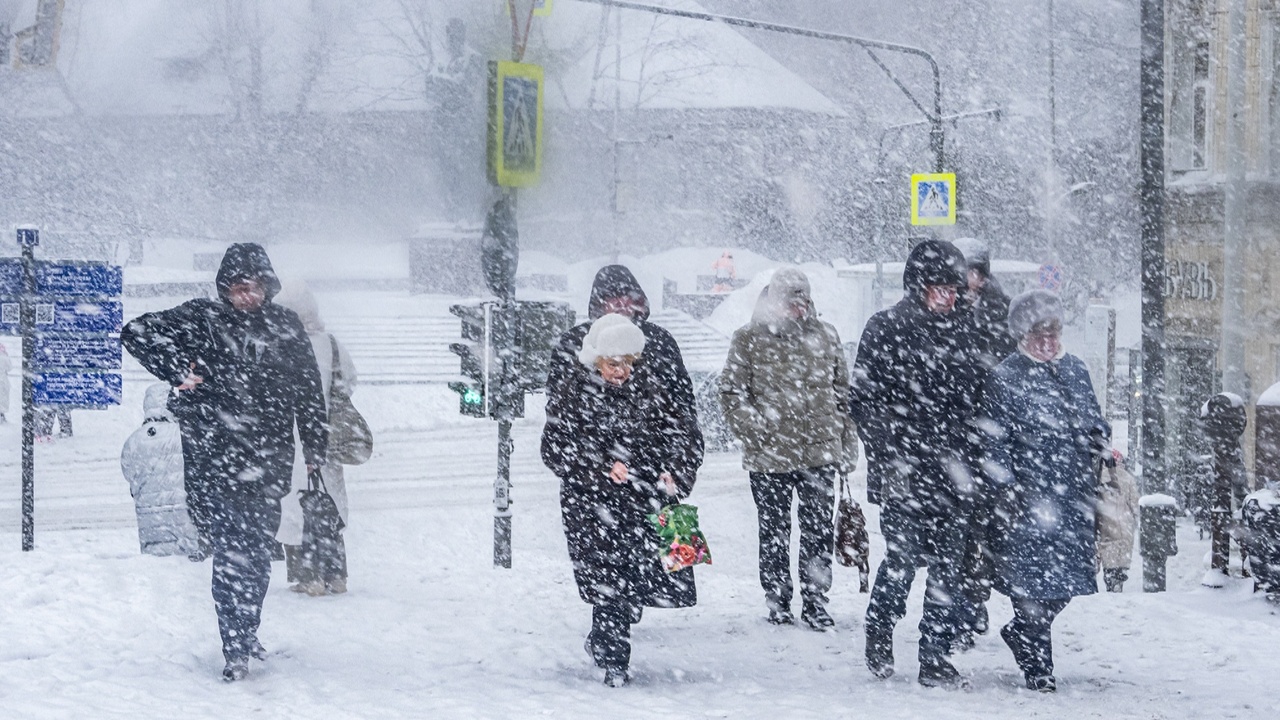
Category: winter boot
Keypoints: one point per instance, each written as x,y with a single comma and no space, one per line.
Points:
335,585
781,616
597,656
1114,578
937,672
816,617
256,650
616,677
314,588
1042,683
235,670
880,653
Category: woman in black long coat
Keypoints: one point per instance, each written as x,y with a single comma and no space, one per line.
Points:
622,448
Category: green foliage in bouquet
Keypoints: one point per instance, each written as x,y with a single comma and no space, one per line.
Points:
682,543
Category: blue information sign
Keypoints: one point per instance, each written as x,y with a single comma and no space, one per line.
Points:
10,277
83,389
96,352
80,317
79,279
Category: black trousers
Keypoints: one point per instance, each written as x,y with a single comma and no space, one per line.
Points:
815,488
610,637
912,541
1029,636
242,530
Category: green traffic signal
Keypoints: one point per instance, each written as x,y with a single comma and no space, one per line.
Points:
472,396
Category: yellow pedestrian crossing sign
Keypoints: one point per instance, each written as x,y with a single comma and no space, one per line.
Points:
933,199
515,123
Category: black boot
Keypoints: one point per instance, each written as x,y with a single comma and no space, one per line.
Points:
880,653
938,672
816,617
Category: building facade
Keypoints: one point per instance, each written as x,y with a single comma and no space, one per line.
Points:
1197,36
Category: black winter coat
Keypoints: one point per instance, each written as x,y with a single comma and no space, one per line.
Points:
590,425
991,318
259,377
913,391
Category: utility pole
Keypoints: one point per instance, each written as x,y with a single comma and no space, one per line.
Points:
1157,508
1234,241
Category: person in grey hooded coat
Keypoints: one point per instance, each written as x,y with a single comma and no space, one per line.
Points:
785,392
152,463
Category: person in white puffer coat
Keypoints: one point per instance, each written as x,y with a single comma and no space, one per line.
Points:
152,463
316,571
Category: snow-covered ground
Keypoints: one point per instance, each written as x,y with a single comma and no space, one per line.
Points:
89,628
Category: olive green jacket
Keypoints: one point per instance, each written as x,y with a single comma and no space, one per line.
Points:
785,395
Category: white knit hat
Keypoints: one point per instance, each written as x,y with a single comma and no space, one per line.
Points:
611,335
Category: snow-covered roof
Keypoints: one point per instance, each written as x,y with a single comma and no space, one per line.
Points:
667,63
165,57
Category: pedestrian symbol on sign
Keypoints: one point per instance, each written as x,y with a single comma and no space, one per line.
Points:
933,199
515,123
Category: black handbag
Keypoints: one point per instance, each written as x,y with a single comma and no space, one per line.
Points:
853,546
321,520
350,439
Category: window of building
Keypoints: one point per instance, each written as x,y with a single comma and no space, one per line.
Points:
1200,108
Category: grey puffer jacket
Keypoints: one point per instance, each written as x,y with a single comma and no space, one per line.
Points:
784,392
152,463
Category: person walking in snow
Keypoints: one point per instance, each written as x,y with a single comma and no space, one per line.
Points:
245,373
914,386
623,446
152,463
987,301
784,391
1117,522
319,569
1045,438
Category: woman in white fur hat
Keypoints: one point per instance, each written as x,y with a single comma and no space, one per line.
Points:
622,448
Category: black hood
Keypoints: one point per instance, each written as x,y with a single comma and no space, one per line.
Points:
617,281
246,261
934,262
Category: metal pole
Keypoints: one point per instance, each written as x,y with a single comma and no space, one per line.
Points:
1235,196
937,135
1157,515
27,319
1151,202
502,498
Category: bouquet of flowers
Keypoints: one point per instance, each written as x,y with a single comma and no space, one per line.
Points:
681,542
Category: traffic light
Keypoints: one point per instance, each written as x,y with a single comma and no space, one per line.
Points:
476,358
539,326
489,358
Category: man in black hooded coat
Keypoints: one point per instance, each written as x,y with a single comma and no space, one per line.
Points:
616,290
913,391
244,373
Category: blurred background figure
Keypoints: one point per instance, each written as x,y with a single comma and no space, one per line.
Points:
316,568
1117,522
725,272
152,463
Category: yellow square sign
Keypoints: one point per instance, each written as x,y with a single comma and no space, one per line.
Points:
515,123
933,199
